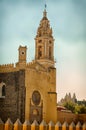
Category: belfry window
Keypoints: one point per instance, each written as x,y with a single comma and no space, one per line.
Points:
40,41
50,54
39,52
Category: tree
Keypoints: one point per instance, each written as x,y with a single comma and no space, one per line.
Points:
69,106
80,109
71,103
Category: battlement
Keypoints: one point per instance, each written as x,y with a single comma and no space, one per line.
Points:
7,67
30,63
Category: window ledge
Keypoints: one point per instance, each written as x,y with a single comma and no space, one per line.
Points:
2,97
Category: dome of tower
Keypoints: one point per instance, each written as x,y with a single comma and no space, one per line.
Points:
44,28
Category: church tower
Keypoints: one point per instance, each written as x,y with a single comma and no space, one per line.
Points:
40,78
44,42
22,57
22,53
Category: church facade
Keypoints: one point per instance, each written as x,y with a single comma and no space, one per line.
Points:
28,90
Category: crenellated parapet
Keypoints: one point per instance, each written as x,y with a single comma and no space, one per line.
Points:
6,65
30,63
7,68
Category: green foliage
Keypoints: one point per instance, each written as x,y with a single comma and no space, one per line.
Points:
80,109
75,108
70,106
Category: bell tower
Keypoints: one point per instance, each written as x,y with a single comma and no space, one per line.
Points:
22,53
22,57
44,43
40,81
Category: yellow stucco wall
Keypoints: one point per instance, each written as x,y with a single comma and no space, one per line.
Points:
45,83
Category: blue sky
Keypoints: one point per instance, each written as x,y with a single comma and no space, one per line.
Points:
19,20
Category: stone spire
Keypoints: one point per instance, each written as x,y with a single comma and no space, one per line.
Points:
44,28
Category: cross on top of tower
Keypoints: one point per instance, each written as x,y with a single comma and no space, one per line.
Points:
45,13
45,6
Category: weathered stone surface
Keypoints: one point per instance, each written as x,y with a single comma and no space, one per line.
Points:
13,105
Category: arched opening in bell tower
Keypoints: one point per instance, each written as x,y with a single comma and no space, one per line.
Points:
39,52
50,54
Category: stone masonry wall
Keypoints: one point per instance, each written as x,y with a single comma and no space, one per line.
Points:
13,105
69,117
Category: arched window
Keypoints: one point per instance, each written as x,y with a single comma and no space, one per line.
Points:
40,41
3,90
50,54
39,52
36,97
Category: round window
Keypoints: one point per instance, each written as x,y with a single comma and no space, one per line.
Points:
36,97
22,52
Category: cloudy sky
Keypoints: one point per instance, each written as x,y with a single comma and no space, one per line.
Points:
19,20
